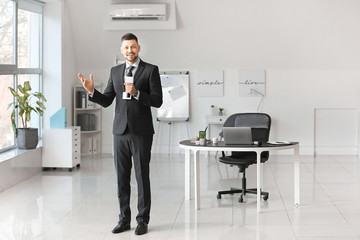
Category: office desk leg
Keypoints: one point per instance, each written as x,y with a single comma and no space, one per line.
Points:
258,181
187,174
297,176
197,179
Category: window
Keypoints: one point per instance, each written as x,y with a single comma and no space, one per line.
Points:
7,29
6,133
20,57
28,39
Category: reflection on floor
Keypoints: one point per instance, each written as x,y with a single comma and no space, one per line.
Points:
83,204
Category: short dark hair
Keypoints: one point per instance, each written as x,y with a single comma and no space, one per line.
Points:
129,36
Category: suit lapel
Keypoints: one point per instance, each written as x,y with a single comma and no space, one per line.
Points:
118,77
122,72
139,70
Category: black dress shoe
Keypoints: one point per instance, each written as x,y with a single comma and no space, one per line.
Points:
141,228
121,227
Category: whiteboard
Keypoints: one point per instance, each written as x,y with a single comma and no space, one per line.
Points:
175,89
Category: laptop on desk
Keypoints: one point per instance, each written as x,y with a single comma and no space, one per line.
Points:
237,135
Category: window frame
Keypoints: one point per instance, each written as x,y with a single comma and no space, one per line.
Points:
13,69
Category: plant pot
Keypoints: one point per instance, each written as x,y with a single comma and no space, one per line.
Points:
27,138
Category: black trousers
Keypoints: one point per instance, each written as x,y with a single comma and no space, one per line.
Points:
127,146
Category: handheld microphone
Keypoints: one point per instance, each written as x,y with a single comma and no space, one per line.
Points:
128,79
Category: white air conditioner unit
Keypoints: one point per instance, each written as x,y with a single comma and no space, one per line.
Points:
138,12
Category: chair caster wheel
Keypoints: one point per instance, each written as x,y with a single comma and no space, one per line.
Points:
218,196
266,198
241,199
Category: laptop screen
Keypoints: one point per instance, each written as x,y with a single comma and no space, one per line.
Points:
237,135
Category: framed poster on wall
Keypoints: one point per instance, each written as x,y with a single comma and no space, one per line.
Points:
210,83
251,83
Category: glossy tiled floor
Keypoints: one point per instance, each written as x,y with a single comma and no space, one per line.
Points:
83,204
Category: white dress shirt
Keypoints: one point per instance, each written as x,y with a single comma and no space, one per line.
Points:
135,65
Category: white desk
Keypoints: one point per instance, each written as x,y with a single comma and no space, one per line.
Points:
189,146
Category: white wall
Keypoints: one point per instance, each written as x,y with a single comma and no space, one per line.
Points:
18,165
310,50
69,62
52,59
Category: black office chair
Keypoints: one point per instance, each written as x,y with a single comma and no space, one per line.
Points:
260,128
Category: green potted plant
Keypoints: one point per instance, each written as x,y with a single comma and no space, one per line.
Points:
212,110
221,111
26,137
202,134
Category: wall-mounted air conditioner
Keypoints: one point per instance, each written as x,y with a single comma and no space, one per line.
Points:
138,12
140,16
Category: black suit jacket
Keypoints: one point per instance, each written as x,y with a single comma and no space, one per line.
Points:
135,114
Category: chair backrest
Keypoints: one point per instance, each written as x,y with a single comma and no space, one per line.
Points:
260,124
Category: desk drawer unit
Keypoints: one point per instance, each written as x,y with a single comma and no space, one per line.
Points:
216,119
76,146
61,148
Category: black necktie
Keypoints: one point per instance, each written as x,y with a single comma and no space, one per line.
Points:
129,73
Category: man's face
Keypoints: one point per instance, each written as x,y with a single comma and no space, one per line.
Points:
130,50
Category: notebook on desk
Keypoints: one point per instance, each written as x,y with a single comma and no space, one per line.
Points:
237,135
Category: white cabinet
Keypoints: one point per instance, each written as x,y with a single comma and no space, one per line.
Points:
215,120
61,148
87,115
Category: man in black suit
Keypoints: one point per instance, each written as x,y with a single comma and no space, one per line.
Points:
136,86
